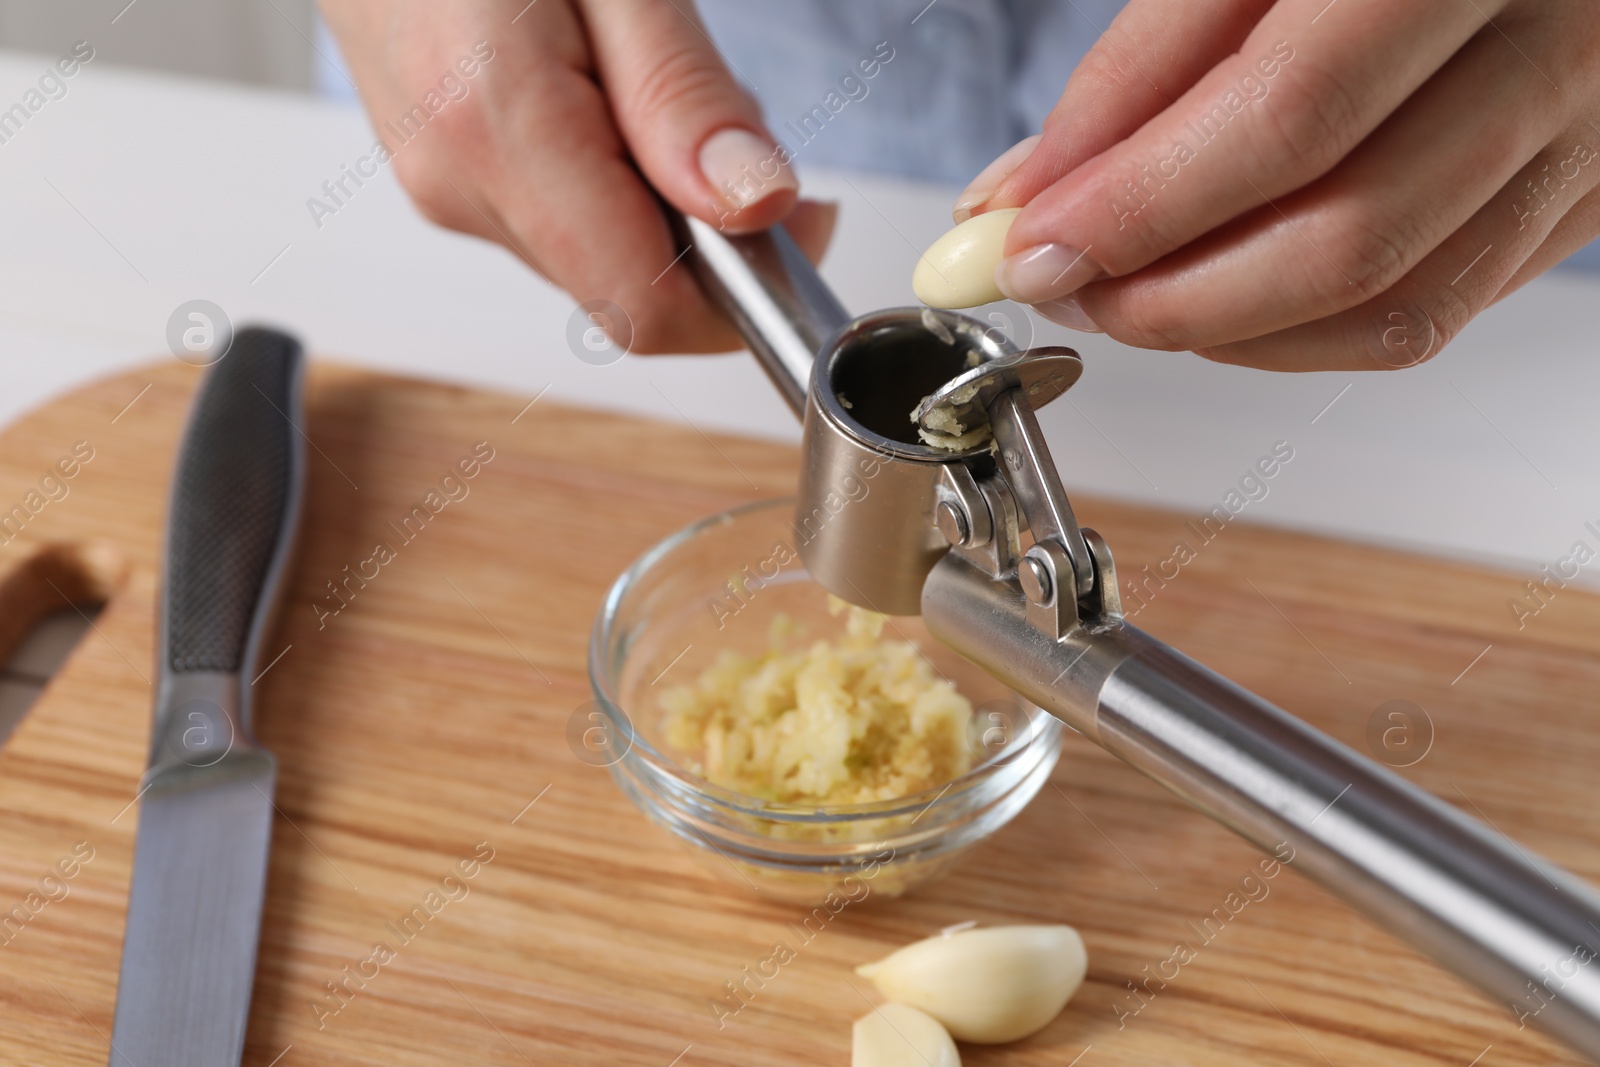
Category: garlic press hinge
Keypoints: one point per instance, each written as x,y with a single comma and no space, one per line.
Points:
1067,574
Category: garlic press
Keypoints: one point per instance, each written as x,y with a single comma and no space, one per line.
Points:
891,523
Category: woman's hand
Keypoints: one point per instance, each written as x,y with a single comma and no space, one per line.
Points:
1306,184
574,112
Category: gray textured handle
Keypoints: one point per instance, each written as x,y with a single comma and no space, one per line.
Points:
235,491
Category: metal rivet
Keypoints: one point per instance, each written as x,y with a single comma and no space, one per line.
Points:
1034,575
952,522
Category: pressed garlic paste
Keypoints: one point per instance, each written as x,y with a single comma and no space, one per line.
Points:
847,720
943,427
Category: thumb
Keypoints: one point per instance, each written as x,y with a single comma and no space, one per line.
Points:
692,129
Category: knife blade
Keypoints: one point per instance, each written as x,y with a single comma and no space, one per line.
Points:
205,814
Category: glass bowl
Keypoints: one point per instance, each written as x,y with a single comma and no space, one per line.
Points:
718,585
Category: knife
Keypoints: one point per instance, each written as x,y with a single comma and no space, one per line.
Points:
205,815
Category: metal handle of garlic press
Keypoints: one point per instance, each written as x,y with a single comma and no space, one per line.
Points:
1517,927
765,284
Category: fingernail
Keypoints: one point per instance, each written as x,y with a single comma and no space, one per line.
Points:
744,167
1069,313
1043,273
990,177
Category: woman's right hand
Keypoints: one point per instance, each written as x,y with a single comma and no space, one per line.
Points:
576,113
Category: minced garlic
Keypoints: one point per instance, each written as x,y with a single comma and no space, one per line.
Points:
844,721
944,426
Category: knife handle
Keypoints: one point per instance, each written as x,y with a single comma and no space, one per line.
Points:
235,500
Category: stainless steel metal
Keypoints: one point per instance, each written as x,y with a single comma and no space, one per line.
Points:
1042,373
864,522
960,496
765,284
849,519
1519,928
199,878
994,542
1031,473
1038,583
1106,600
952,521
1057,612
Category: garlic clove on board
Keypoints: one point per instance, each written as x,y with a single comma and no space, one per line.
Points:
957,270
988,985
895,1035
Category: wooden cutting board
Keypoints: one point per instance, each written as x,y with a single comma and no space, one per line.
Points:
424,724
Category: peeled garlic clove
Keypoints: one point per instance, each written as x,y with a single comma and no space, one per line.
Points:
957,270
989,985
895,1035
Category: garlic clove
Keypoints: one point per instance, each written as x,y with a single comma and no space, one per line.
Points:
957,270
988,985
895,1035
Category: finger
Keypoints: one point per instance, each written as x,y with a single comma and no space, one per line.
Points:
976,197
566,195
695,133
1310,82
1353,233
1150,55
1577,228
1430,306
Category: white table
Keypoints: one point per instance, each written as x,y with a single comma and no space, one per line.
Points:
136,192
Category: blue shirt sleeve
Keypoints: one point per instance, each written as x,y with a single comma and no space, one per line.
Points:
929,90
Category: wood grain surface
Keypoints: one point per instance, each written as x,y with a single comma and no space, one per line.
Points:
424,724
